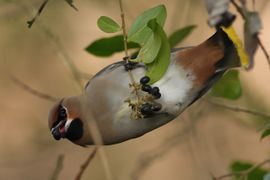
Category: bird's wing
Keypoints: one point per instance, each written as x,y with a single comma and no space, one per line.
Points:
208,61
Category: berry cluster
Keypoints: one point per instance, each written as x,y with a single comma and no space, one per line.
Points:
149,108
147,88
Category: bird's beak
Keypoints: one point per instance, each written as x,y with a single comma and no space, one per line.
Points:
58,131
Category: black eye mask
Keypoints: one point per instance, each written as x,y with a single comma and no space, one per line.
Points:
75,130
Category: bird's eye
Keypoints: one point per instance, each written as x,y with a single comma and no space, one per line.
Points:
62,113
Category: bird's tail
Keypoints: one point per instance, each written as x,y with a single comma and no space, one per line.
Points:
234,52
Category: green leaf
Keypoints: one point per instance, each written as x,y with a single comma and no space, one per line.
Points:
180,35
159,66
108,46
239,166
265,133
70,2
228,86
150,50
139,32
108,25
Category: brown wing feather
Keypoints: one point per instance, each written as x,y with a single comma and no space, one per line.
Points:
201,60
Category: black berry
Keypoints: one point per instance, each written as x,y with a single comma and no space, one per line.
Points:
146,109
145,80
157,96
156,107
147,88
155,91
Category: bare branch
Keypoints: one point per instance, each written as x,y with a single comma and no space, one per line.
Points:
58,167
151,156
31,22
239,109
66,59
244,16
85,164
264,50
33,91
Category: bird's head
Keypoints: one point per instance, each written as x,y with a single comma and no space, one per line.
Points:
65,121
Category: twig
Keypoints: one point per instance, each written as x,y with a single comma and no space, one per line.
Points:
33,91
148,158
239,9
85,164
65,57
243,174
264,50
126,49
31,22
58,167
244,16
67,61
239,109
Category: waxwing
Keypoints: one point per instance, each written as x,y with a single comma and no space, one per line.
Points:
192,71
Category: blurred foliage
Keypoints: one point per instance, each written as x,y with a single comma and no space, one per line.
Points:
256,174
228,86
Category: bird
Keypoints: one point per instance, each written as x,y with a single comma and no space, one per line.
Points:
191,73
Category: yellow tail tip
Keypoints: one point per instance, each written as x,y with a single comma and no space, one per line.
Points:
238,45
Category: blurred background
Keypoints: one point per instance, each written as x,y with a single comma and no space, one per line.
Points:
204,140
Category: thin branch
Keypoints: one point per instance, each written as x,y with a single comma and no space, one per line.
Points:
124,29
239,9
85,164
244,16
243,174
239,109
31,22
264,50
33,91
126,49
151,156
58,167
67,61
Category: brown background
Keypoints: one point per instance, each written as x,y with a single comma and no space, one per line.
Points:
203,140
